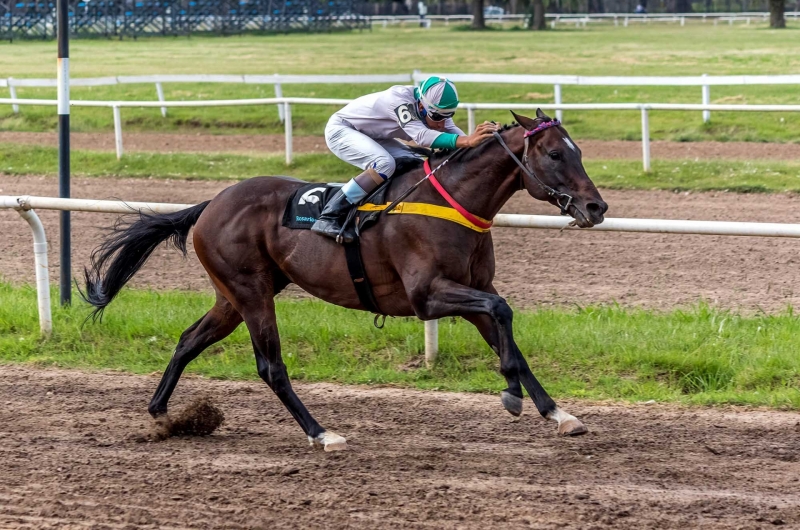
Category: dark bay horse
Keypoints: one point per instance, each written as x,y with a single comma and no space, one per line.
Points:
419,266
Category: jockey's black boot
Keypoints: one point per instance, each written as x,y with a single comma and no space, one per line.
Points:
330,220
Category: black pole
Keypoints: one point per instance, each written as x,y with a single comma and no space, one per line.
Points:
63,146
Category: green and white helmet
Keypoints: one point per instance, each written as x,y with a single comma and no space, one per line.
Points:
438,95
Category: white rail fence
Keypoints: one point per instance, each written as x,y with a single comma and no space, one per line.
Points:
26,205
286,103
582,19
278,80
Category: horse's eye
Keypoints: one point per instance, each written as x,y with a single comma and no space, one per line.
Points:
554,155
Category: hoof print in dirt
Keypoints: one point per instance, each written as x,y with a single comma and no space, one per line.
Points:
201,418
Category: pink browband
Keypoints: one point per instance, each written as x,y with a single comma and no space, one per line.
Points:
542,127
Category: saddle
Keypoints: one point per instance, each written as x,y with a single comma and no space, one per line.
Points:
306,204
304,208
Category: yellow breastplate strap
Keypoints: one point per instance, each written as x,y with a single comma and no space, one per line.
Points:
428,210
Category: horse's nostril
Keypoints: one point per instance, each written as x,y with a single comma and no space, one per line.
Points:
596,209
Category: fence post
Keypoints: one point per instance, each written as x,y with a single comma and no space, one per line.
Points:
645,139
287,114
13,92
279,94
160,92
470,120
42,272
706,101
117,131
557,96
431,342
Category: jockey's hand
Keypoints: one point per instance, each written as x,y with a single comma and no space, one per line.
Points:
482,132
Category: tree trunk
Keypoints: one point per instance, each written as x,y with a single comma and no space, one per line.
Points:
537,22
776,19
596,6
683,6
477,15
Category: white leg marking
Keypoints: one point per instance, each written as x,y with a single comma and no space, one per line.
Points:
560,416
330,441
567,423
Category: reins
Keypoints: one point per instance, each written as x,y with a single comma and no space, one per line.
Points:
429,173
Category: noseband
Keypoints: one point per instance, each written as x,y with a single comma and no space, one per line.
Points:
563,201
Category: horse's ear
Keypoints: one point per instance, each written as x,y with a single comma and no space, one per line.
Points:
526,122
542,116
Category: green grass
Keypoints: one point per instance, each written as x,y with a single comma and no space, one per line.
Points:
597,50
739,176
701,355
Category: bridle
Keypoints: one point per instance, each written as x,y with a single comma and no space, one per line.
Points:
524,166
563,201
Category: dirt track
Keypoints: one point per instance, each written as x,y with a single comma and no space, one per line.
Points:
70,459
533,267
274,143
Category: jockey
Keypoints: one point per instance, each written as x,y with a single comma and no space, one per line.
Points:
365,134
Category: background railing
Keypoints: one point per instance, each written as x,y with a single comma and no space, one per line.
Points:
286,104
705,82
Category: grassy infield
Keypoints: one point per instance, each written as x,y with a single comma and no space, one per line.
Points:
699,355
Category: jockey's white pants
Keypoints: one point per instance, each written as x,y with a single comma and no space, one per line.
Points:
364,152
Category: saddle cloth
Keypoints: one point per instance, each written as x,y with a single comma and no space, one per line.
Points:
307,202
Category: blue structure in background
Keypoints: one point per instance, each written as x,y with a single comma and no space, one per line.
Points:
35,19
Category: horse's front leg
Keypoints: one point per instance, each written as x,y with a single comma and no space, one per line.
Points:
511,397
445,298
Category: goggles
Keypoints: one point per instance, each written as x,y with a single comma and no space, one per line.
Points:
438,116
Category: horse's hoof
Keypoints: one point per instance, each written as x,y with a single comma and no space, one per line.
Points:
511,403
572,427
329,440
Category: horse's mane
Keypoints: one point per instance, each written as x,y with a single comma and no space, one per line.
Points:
467,154
463,154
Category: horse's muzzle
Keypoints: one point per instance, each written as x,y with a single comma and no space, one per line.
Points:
589,214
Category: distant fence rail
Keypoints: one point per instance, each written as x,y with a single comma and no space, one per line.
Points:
286,105
582,19
705,82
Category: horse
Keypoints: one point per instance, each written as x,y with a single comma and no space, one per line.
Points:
418,266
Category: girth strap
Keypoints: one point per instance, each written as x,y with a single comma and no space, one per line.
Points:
355,266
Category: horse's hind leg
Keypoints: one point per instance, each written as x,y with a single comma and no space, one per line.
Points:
266,343
215,325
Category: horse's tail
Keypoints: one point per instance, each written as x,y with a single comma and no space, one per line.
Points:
127,248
